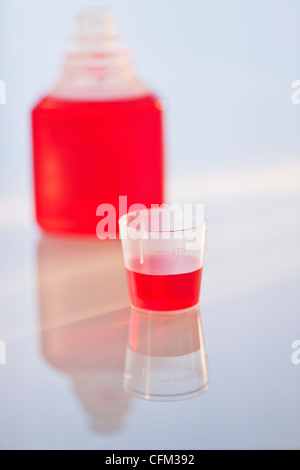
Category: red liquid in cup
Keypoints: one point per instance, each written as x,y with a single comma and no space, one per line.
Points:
164,292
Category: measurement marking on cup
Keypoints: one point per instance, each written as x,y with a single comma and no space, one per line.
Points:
174,251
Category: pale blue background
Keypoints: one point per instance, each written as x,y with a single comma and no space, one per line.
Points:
223,68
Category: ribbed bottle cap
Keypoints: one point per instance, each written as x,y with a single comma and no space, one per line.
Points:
97,31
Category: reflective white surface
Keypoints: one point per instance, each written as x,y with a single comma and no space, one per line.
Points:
65,318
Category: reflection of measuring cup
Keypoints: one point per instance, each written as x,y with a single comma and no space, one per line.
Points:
165,359
163,258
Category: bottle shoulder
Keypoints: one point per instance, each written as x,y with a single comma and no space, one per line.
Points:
50,103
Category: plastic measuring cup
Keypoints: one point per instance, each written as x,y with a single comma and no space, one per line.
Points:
163,254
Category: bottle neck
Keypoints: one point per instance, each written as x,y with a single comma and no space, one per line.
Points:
98,69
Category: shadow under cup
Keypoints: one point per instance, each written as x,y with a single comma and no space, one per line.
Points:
163,255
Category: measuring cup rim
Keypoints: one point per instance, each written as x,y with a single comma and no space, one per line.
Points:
123,222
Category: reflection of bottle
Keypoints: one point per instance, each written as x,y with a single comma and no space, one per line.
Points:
79,281
98,135
165,358
79,278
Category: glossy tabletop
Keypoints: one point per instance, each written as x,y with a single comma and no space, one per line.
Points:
83,370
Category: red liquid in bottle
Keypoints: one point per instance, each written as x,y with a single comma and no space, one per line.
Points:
164,292
90,153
